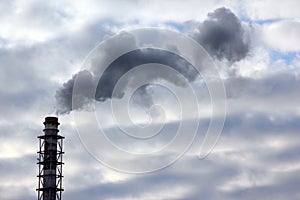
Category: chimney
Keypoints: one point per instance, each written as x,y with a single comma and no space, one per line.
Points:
50,161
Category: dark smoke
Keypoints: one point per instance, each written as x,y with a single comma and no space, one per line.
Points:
65,93
223,36
135,58
115,71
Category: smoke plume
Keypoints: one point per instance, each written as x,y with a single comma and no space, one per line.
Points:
223,35
115,71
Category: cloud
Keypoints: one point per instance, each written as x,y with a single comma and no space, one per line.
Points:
246,163
282,35
260,10
40,22
264,94
256,155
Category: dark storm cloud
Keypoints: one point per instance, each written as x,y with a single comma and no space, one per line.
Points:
223,35
115,71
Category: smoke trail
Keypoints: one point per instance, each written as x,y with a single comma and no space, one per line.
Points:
221,34
115,71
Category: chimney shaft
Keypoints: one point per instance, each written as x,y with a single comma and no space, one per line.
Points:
50,161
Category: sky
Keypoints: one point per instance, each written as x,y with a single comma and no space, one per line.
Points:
48,50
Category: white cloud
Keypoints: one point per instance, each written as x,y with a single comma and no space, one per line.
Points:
269,9
283,35
255,65
28,22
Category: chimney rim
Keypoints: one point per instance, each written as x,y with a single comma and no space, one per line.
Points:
51,119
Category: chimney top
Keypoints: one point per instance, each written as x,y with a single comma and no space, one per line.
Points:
53,120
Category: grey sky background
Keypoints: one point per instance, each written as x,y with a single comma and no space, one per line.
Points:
43,44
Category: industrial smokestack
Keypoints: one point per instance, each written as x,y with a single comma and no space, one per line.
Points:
50,161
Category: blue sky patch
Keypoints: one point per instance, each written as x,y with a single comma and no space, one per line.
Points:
287,57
